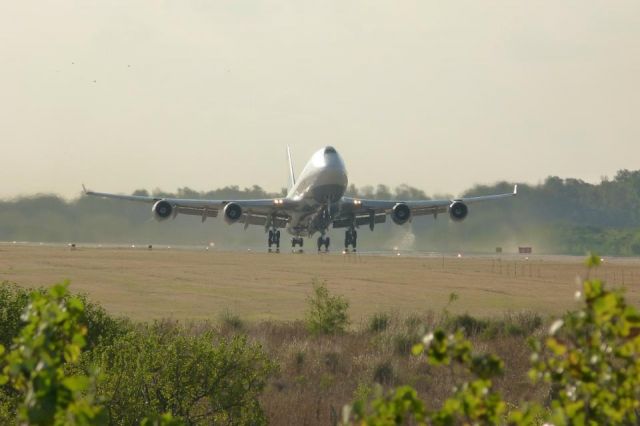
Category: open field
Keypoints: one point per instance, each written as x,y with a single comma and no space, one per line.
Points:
196,284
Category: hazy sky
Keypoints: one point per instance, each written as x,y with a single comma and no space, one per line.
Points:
132,94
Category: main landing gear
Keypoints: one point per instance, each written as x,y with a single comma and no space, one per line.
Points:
274,239
350,239
297,241
323,241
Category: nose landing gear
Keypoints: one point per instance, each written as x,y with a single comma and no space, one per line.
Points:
350,239
274,239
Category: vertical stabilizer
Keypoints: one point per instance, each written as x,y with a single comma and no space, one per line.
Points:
292,176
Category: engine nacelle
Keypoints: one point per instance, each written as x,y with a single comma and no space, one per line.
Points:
458,211
162,210
232,213
400,213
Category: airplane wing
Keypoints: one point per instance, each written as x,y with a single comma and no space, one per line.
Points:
364,211
254,212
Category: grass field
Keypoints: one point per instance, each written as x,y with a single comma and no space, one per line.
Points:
196,284
317,375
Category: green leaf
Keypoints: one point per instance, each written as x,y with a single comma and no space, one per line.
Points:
605,304
557,348
76,383
75,303
417,349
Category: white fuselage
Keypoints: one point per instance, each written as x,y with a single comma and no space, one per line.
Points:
323,181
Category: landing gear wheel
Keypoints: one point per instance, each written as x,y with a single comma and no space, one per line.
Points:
297,241
274,239
350,239
323,241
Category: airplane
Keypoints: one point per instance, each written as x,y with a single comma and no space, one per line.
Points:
314,203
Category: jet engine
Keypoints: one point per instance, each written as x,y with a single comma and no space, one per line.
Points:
458,211
232,213
400,213
162,210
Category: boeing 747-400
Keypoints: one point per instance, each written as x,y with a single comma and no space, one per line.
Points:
314,204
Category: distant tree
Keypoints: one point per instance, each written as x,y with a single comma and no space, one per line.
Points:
383,192
406,192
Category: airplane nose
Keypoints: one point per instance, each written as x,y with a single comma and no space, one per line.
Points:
327,157
331,157
329,150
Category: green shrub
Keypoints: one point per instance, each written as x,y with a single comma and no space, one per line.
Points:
50,341
231,320
379,322
145,370
327,314
13,301
471,326
197,378
521,324
101,327
403,342
383,373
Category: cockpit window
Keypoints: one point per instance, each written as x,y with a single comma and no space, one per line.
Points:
329,150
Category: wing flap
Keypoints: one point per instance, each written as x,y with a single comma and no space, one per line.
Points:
198,211
360,220
258,219
423,211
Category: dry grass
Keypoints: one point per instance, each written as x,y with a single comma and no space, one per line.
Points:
144,285
265,296
318,375
180,284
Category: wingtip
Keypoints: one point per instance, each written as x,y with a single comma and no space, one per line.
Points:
515,189
84,189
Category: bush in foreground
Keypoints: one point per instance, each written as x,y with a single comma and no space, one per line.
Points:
200,379
48,377
50,341
590,360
